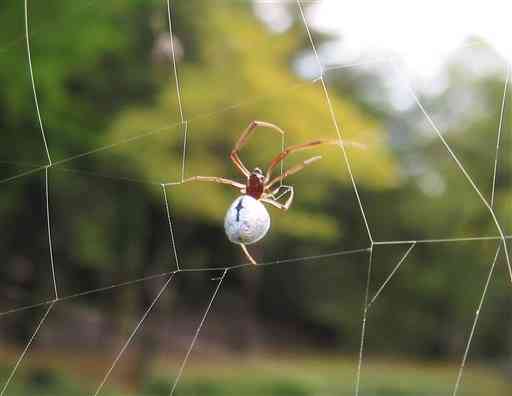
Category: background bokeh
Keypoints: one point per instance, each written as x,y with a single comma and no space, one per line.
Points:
109,107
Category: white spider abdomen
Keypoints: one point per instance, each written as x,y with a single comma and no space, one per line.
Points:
247,220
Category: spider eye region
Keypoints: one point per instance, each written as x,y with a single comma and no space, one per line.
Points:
247,221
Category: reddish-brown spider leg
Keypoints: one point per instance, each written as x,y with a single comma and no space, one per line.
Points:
216,179
292,171
248,255
292,149
243,140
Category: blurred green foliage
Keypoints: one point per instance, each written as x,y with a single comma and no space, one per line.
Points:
110,111
325,376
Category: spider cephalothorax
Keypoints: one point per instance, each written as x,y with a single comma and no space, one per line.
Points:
255,183
247,220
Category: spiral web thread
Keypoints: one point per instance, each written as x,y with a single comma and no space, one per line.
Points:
183,123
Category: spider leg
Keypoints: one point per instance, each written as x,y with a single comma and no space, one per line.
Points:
243,140
272,194
292,171
248,255
305,146
216,179
279,205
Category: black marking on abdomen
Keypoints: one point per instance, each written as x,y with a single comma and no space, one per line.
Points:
238,208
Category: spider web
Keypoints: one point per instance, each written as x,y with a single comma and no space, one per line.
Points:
163,281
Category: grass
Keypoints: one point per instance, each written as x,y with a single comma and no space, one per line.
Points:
272,376
326,376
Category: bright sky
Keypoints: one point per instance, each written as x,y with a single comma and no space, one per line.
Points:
422,32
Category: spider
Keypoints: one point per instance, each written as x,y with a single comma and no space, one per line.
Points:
247,220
